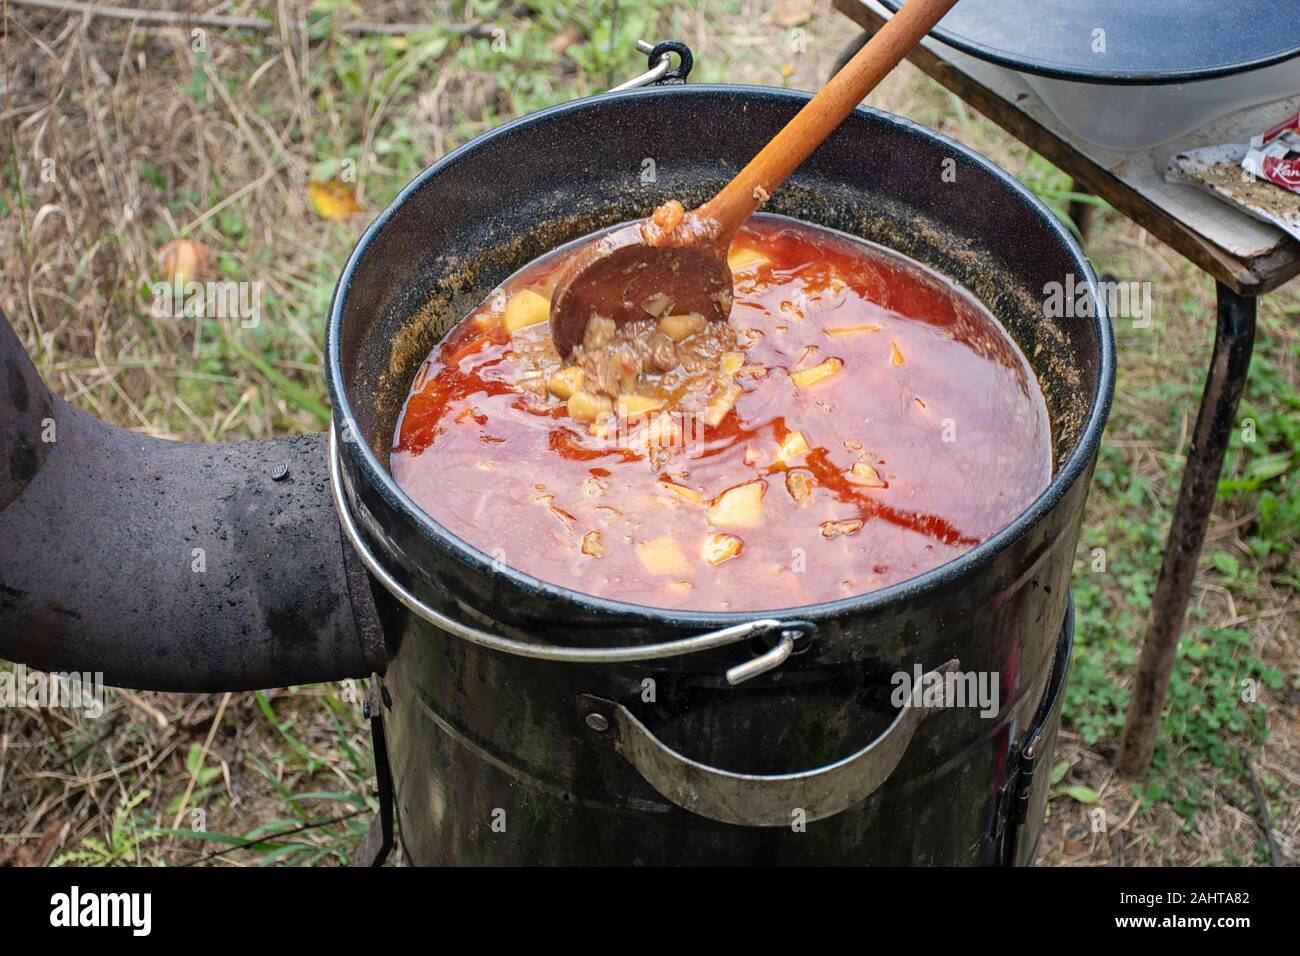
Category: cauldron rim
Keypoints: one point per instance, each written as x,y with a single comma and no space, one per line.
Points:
1074,467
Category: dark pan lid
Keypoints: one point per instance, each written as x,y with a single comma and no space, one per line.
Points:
1147,41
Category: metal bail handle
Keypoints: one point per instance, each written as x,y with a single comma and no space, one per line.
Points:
787,631
759,800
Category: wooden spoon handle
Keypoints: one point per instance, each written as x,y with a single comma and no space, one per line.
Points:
741,197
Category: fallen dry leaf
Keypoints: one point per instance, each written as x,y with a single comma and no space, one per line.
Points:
33,852
333,199
184,259
570,35
791,13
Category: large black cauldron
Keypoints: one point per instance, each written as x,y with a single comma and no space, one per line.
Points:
594,755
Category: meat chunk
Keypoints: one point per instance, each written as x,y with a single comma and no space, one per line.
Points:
601,374
610,371
658,353
598,334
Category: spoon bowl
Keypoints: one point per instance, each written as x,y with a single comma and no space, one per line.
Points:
623,277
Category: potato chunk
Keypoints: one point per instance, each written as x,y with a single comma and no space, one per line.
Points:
792,447
844,331
720,547
664,431
864,474
678,327
526,308
745,260
816,374
690,494
664,556
799,483
565,382
629,405
740,506
586,407
593,544
722,401
657,304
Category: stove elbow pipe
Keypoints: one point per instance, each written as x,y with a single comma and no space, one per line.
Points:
173,566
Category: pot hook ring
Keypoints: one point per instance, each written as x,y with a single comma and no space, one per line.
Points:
684,58
660,72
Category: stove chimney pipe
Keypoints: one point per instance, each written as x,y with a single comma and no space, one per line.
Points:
166,565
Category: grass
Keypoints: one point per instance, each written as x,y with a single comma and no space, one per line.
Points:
217,147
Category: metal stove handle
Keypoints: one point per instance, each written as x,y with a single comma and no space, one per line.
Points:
787,631
758,800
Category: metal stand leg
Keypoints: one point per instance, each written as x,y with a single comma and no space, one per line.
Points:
377,844
1214,423
1081,212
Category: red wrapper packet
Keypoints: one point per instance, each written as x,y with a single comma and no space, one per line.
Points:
1275,155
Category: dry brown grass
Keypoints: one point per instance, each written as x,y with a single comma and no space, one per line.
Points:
103,99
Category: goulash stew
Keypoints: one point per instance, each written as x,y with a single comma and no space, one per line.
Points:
859,420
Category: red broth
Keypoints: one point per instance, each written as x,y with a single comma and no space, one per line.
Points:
927,436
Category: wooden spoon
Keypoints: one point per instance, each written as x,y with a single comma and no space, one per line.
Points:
683,255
